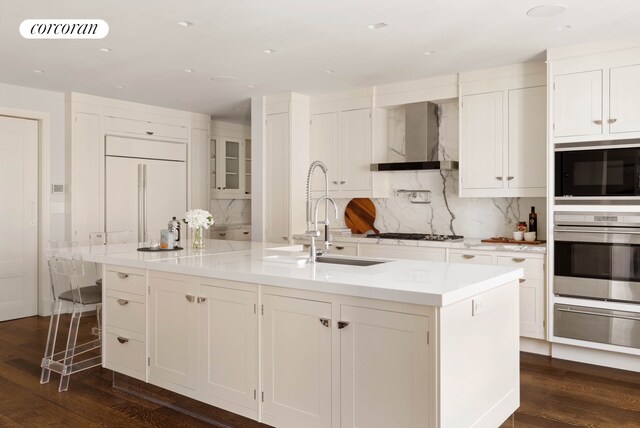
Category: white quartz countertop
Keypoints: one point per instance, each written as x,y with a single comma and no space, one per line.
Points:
418,282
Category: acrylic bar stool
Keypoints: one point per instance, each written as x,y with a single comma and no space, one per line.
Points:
68,278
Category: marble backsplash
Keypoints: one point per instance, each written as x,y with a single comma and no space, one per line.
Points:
231,211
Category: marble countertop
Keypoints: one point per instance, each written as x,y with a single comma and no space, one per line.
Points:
417,282
466,243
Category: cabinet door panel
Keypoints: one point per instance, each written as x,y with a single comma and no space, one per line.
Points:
625,99
324,147
172,326
482,139
403,252
384,369
355,150
229,334
527,138
277,177
577,104
532,308
296,363
200,170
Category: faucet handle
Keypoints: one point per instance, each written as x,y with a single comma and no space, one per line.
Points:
327,245
312,233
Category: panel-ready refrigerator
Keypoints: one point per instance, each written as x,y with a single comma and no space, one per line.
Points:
145,185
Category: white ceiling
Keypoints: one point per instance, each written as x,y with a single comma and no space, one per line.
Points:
151,51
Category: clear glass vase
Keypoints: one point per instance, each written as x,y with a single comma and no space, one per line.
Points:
198,238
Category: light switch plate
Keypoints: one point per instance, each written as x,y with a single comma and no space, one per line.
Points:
477,306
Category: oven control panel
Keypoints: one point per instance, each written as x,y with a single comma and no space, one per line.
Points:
597,218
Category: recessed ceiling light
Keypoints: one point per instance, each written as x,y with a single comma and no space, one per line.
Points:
564,28
269,51
38,71
252,86
223,79
189,70
547,10
429,53
185,24
377,26
329,71
105,50
119,86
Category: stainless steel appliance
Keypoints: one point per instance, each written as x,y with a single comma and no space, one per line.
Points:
597,258
416,236
598,174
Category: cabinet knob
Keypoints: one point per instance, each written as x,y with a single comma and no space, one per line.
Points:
509,178
122,339
123,275
499,178
342,324
202,299
521,280
325,322
610,121
190,298
468,256
597,122
518,260
123,302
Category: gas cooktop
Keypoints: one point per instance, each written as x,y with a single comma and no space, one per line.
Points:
416,236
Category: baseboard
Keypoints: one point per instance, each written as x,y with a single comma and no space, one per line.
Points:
596,356
535,346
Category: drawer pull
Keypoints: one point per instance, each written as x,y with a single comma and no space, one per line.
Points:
123,302
518,260
597,122
201,299
342,182
335,182
468,256
325,322
122,339
222,234
499,178
149,132
342,324
610,121
339,248
521,280
245,233
510,178
190,298
123,275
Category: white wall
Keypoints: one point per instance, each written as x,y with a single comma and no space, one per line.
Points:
19,97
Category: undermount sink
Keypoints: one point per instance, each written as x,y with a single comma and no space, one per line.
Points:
346,261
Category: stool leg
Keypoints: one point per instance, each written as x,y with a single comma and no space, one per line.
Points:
56,306
71,344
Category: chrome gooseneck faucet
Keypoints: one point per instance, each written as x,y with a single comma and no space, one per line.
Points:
315,233
310,224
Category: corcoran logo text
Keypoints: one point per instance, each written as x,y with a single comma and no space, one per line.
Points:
64,29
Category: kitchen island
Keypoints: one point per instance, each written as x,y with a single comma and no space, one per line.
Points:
251,329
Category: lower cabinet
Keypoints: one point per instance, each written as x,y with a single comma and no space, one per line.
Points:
403,252
204,340
376,361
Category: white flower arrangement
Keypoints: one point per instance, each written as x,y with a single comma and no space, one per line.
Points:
198,218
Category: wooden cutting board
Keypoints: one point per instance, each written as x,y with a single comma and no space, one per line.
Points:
360,215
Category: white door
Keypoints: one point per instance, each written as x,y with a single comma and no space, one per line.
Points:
166,194
482,141
19,214
121,194
173,312
624,101
577,104
384,369
527,138
324,147
296,362
355,149
277,177
229,340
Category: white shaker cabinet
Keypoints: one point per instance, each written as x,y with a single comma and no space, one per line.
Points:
277,177
409,252
200,193
324,142
296,362
624,102
577,104
384,369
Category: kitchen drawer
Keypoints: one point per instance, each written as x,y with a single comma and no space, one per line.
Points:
150,129
347,249
125,311
403,252
533,268
471,258
125,354
123,280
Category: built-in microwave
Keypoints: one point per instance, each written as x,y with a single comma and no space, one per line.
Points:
598,175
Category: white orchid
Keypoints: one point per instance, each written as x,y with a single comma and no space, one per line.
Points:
198,218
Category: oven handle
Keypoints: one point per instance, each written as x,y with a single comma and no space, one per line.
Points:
607,232
598,314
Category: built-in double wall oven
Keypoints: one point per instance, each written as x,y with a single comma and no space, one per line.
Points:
597,258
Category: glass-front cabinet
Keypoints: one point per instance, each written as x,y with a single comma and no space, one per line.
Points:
228,164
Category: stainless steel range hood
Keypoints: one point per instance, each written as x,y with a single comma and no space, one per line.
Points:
420,148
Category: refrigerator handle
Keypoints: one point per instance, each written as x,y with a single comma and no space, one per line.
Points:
140,208
144,201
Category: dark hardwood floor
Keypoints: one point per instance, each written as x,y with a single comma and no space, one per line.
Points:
554,393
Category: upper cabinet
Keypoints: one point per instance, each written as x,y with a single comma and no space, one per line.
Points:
229,157
503,132
342,140
595,96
